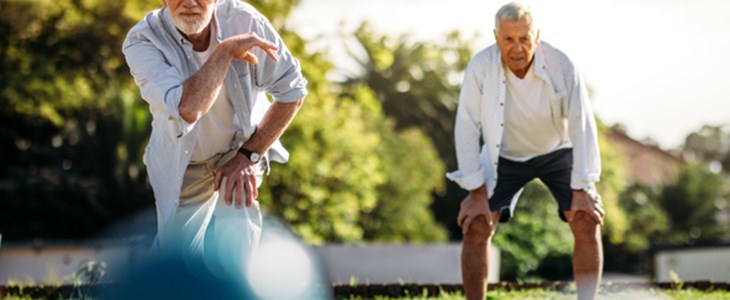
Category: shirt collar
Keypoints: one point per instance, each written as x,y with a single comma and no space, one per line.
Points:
540,63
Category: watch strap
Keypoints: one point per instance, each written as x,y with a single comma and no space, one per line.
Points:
248,153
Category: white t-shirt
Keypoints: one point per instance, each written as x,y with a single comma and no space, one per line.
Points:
217,127
528,123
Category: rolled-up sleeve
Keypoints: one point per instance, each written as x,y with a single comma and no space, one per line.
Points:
160,84
467,132
583,135
282,79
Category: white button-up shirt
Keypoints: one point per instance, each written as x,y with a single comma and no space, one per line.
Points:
481,113
161,59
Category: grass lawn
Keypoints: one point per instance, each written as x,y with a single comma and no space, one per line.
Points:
653,294
499,294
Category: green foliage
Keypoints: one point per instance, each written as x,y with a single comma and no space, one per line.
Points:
710,144
649,222
694,204
344,182
333,172
416,82
74,126
276,11
413,170
612,184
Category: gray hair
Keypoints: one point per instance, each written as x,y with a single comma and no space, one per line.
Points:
514,11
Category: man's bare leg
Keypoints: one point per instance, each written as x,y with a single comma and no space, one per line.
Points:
587,255
475,257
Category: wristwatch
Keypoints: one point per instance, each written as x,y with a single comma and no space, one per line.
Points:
254,157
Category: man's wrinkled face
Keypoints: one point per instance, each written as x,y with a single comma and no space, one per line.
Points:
517,42
191,16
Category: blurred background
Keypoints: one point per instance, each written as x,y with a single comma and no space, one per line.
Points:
385,75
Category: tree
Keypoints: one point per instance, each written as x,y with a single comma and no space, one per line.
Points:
710,144
417,84
72,123
649,225
343,182
694,204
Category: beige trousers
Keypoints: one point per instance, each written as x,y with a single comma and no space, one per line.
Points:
225,236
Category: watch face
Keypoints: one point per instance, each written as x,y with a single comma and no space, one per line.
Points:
255,157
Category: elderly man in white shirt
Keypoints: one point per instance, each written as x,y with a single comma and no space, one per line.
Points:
203,65
529,104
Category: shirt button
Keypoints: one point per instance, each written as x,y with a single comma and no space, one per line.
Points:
186,151
501,124
498,145
501,104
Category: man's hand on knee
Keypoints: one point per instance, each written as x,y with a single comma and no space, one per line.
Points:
473,206
240,177
589,202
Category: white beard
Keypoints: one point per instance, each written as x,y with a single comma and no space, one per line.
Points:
192,26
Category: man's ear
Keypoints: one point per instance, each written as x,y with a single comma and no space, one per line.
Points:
537,37
495,34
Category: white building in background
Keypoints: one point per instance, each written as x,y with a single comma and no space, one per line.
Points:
693,264
57,263
362,264
388,263
48,262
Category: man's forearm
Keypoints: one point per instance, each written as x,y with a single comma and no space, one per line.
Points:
201,89
272,126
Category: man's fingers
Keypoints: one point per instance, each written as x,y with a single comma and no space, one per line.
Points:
460,218
488,219
467,223
250,57
239,192
601,211
597,217
217,180
272,53
254,184
249,193
229,190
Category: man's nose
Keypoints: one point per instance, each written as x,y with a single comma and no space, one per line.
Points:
519,47
189,3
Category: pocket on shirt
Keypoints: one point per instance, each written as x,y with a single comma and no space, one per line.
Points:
558,100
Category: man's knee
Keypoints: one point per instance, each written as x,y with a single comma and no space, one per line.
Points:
479,232
584,227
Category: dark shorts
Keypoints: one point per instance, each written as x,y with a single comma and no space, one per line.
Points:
553,169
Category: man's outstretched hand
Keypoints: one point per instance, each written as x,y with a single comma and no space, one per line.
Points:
241,44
